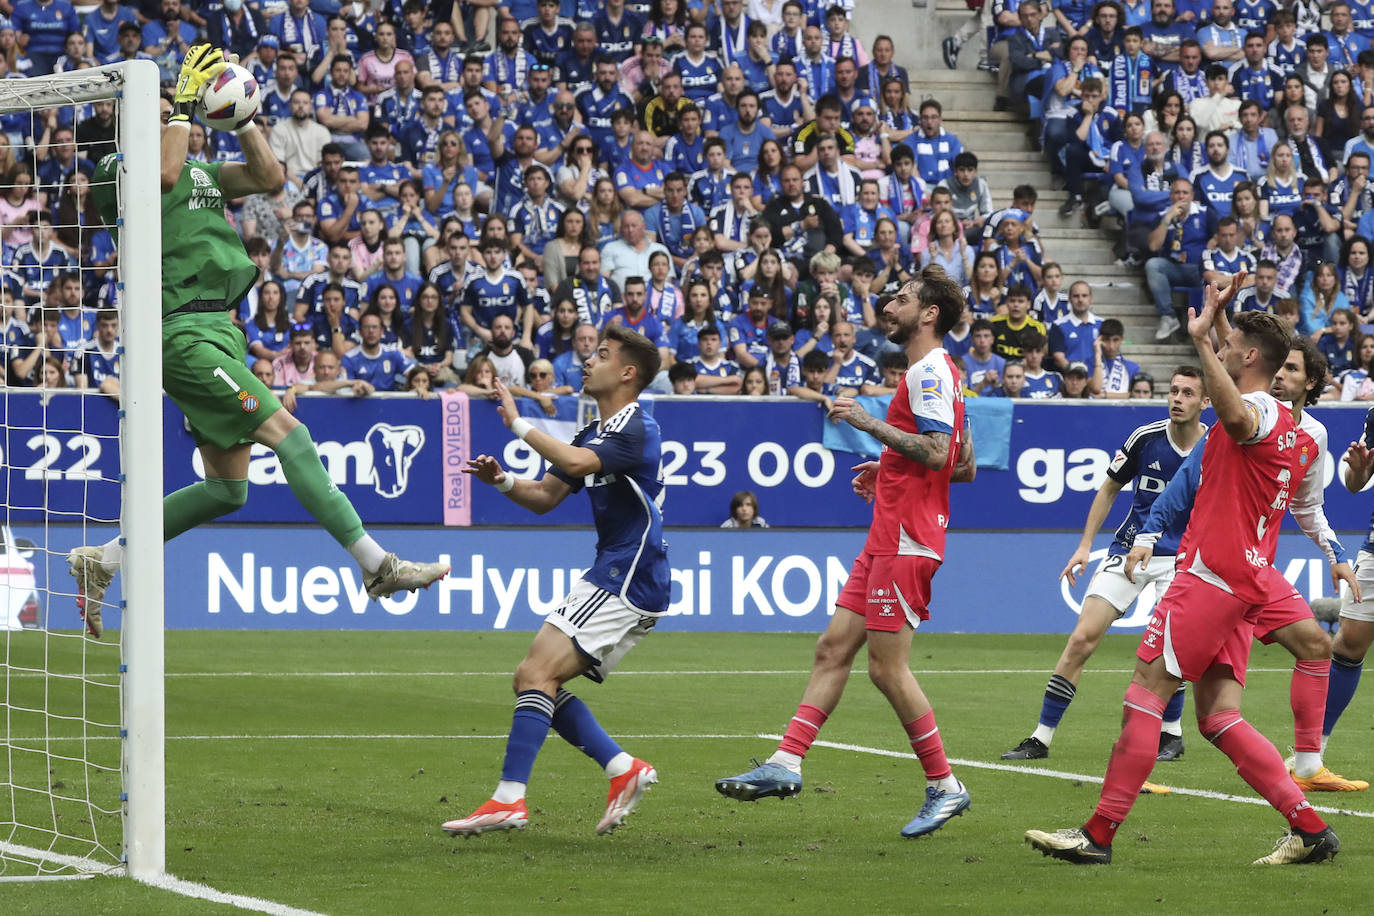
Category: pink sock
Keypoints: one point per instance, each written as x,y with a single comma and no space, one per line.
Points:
925,741
803,729
1307,694
1133,757
1259,764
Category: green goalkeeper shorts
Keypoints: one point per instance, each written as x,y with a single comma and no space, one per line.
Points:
204,373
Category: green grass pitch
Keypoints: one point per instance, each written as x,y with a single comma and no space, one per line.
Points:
314,770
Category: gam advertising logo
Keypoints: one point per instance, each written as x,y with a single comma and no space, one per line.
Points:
382,459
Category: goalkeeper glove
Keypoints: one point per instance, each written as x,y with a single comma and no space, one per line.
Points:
203,62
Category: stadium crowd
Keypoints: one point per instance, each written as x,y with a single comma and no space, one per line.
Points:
1214,137
743,186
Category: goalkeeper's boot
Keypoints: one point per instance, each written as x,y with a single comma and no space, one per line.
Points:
1326,781
626,791
396,575
92,578
1298,848
492,815
1071,844
940,806
1029,749
1170,746
765,780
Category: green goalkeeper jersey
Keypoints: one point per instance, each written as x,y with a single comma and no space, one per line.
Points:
203,258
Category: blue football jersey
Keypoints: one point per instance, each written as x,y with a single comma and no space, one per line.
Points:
1150,458
627,498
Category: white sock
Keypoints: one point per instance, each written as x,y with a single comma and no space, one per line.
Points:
508,792
1044,734
1325,738
791,761
1306,763
619,765
1174,728
369,555
948,784
112,554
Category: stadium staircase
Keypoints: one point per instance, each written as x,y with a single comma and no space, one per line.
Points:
1006,158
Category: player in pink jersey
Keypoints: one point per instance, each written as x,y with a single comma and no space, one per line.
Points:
888,592
1200,631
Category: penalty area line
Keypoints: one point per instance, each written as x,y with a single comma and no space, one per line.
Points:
1060,774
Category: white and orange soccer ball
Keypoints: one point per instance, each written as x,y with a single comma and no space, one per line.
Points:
231,99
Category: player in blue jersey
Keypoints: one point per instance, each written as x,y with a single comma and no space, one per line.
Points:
616,602
1300,382
1150,457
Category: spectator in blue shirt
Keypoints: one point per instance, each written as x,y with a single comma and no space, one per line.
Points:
1179,239
982,367
42,27
1071,338
673,220
165,39
97,363
384,368
1164,32
102,27
567,366
343,109
745,136
598,102
300,30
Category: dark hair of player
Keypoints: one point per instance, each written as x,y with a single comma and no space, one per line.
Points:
1191,372
934,287
1314,361
635,350
1269,335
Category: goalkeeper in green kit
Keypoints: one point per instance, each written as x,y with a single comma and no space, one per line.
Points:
205,273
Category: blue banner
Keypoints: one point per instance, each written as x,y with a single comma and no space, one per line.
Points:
387,455
286,578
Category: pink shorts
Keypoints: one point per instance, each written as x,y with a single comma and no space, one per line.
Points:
1197,626
1283,605
889,591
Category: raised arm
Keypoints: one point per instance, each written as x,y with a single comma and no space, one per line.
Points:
259,173
1236,417
575,461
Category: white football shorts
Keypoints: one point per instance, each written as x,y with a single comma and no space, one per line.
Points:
1364,574
1111,585
601,625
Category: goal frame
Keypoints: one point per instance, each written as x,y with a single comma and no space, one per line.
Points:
134,86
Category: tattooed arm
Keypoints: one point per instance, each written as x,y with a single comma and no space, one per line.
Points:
930,449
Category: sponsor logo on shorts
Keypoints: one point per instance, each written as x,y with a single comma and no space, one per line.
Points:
885,599
249,403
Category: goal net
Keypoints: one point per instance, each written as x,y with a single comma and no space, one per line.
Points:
81,733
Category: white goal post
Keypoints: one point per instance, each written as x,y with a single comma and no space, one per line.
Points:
134,87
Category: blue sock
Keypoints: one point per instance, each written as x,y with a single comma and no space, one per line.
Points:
1173,710
576,725
1340,690
1058,695
528,729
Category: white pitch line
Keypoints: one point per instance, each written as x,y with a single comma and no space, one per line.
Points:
347,737
243,902
1059,774
621,674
